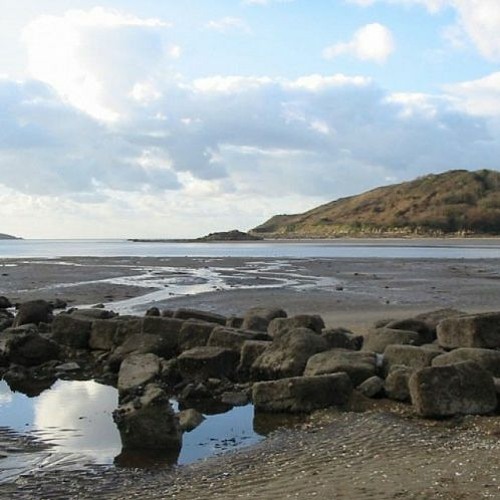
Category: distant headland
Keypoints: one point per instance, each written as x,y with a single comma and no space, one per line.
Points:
233,235
4,236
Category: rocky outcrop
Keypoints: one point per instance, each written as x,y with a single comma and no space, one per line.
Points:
461,388
302,394
487,359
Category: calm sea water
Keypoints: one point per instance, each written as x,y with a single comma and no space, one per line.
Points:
390,248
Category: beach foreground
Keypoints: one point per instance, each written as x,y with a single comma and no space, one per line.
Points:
378,451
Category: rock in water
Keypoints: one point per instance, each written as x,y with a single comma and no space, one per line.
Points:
149,422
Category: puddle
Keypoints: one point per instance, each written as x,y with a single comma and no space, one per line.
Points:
74,420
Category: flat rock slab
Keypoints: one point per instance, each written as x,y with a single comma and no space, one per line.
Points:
474,330
302,394
379,338
138,369
358,365
71,331
201,363
442,391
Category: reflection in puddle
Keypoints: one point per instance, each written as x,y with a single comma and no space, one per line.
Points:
75,419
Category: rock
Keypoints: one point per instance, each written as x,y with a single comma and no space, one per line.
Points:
30,349
433,318
250,351
126,327
102,334
149,423
302,394
90,314
229,337
68,367
372,387
340,338
72,331
487,359
378,339
190,419
473,330
138,369
287,355
408,355
168,328
5,303
144,343
194,333
153,311
201,315
235,398
396,383
278,326
462,388
234,322
58,304
426,333
358,365
33,311
258,318
201,363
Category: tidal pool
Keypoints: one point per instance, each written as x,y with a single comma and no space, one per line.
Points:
74,418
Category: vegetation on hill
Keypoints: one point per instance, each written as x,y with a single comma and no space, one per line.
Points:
458,202
233,235
4,236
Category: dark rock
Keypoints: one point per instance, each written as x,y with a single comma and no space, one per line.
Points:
194,333
433,318
201,315
407,355
90,314
168,328
201,363
302,394
487,359
30,349
5,303
59,304
126,327
234,322
33,311
372,387
426,333
258,318
287,355
396,383
474,330
358,365
229,337
153,311
378,339
278,326
72,331
340,338
149,422
102,334
462,388
250,351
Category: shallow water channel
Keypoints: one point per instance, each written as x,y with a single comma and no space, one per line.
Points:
74,419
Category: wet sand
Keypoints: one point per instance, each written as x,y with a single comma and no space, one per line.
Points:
384,453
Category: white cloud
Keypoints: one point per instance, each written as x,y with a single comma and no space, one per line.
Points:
373,42
229,24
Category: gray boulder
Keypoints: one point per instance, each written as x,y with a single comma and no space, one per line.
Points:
190,419
137,370
258,318
250,351
408,355
201,363
149,422
372,387
379,338
168,328
194,333
230,337
29,348
93,313
278,326
33,311
487,359
143,343
201,315
396,383
358,365
302,394
462,388
126,327
71,331
474,330
340,338
426,333
102,334
287,355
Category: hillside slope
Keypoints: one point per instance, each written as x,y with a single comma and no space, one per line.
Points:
457,202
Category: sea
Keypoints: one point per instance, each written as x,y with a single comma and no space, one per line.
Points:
442,248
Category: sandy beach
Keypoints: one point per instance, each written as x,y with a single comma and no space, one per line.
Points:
382,452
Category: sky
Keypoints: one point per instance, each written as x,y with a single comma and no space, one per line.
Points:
172,119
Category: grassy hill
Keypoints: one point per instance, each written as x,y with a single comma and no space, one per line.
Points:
458,202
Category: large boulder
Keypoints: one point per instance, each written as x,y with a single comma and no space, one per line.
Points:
5,303
102,334
461,388
396,383
302,394
138,369
230,337
288,354
433,318
200,315
126,327
379,338
408,355
149,422
33,311
71,331
93,313
258,318
201,363
29,348
427,333
372,387
194,333
487,359
278,326
168,328
358,365
250,351
473,330
340,338
147,343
